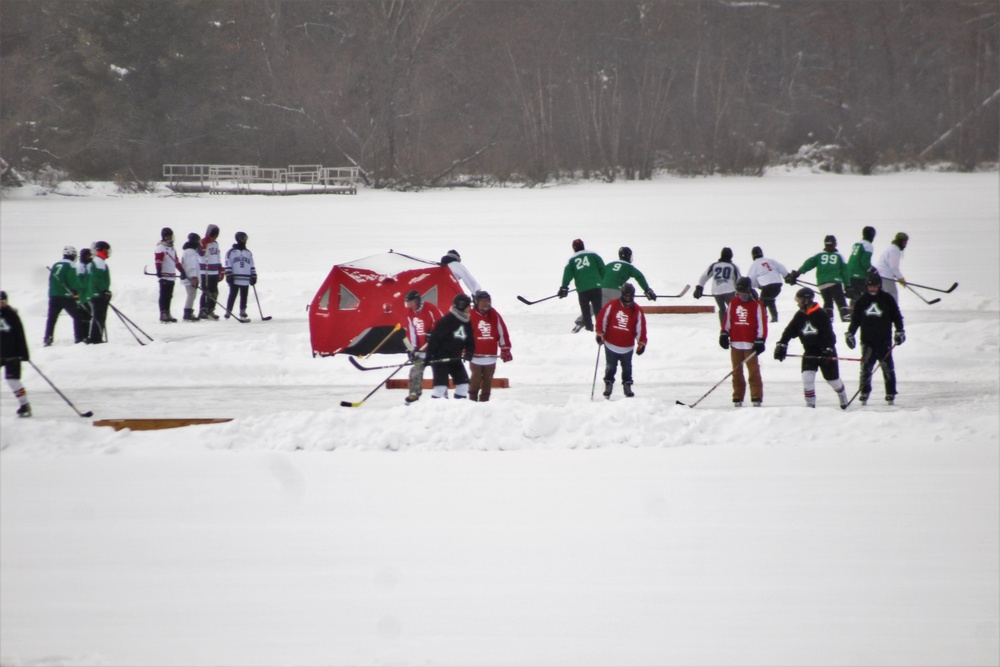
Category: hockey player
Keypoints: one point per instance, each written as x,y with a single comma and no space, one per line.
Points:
454,262
450,342
492,340
191,261
768,275
211,272
421,316
859,264
876,313
723,274
240,274
168,266
813,327
64,290
13,350
81,328
744,332
888,265
618,273
99,291
586,270
621,328
831,276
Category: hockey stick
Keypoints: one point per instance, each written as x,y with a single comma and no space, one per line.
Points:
531,303
263,319
128,328
145,271
816,356
875,368
384,341
674,296
80,306
354,362
752,355
126,319
348,404
933,289
597,363
921,296
231,313
88,413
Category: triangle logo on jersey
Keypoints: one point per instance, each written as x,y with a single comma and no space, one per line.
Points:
873,310
809,330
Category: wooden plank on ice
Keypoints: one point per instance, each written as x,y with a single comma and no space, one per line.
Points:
156,424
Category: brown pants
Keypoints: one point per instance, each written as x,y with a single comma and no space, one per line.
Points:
753,370
481,382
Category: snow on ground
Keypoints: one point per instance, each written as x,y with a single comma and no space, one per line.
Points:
543,527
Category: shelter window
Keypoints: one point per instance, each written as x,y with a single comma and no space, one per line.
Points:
347,300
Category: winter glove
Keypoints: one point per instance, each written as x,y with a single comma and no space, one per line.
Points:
758,346
724,340
792,277
780,350
253,279
159,272
851,340
829,355
505,354
900,337
901,281
698,291
640,349
222,274
650,294
106,294
563,292
230,280
599,338
183,275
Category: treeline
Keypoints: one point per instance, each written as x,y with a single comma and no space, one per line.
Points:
419,93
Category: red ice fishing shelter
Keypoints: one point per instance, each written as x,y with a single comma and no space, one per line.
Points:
360,302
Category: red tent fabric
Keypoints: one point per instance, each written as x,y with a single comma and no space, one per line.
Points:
360,302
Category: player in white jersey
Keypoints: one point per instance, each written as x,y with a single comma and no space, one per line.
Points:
767,275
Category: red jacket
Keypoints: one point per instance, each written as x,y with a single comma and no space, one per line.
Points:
621,326
745,321
420,324
490,333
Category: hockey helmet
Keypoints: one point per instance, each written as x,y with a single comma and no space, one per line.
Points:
166,233
102,245
241,238
625,253
628,293
743,285
69,252
756,252
577,245
873,280
806,294
830,242
868,233
482,294
461,302
194,238
85,255
3,296
726,255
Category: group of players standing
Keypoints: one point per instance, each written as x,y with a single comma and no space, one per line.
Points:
743,313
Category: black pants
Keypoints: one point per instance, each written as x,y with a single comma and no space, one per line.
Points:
769,294
830,370
454,368
11,368
722,301
209,293
57,304
831,295
589,299
855,289
98,323
166,294
81,327
871,355
611,361
242,290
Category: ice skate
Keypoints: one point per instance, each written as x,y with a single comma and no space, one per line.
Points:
24,410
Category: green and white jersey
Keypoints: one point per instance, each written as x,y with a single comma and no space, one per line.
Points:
586,269
861,259
830,267
617,273
63,280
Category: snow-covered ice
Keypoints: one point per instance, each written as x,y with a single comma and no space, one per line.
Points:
540,528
